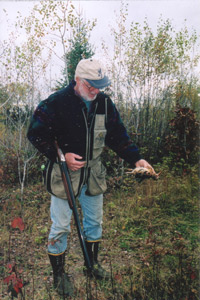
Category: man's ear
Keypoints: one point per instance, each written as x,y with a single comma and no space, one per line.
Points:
77,79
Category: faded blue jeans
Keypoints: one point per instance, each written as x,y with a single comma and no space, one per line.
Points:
92,209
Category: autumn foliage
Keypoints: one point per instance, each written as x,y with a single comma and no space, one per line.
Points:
18,223
183,140
13,281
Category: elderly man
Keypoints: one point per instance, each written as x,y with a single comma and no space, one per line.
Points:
82,119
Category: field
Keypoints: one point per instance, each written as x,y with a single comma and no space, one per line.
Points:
150,243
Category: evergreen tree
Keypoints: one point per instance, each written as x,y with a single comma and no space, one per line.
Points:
79,48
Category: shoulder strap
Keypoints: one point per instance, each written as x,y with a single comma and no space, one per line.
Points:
106,109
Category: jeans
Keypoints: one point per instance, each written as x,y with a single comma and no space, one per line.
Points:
92,209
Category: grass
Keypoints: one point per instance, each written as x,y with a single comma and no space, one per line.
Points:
150,242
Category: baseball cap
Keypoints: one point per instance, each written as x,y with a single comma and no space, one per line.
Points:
91,70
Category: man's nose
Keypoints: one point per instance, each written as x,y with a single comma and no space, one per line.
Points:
95,91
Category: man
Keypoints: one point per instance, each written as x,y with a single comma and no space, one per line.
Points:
82,120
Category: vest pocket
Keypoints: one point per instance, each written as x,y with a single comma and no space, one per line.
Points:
96,184
56,182
99,135
57,187
99,138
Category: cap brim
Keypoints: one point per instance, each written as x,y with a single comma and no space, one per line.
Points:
99,84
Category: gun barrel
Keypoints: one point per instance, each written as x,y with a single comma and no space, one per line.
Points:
72,204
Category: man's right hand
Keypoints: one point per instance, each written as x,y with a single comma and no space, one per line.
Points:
72,162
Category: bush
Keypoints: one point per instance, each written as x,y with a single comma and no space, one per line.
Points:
9,168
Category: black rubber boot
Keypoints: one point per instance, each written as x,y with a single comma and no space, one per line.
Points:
97,271
62,282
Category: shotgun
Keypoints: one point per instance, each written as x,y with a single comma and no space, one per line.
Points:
72,203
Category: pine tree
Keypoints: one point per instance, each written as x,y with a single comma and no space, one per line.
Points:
79,48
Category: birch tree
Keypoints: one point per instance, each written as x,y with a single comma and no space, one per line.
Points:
148,69
24,66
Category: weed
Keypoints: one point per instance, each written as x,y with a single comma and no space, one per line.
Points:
150,243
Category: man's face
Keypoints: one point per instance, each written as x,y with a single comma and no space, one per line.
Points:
85,90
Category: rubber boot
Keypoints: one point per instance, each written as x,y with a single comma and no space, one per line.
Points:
97,271
62,283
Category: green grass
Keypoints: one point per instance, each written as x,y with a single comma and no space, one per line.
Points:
150,242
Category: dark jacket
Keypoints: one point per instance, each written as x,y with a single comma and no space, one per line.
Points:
64,117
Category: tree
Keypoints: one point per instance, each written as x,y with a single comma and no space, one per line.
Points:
15,151
60,22
24,66
79,48
147,71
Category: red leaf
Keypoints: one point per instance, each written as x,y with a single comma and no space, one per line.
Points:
18,223
193,275
10,267
18,285
118,277
16,282
9,278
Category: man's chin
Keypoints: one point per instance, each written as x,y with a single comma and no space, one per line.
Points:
91,98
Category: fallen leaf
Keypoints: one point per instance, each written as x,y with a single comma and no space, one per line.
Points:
18,223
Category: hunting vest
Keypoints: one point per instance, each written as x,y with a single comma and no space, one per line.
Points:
94,172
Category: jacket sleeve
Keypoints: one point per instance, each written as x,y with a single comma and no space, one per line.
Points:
41,131
117,137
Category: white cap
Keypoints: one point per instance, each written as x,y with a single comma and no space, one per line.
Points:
91,70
